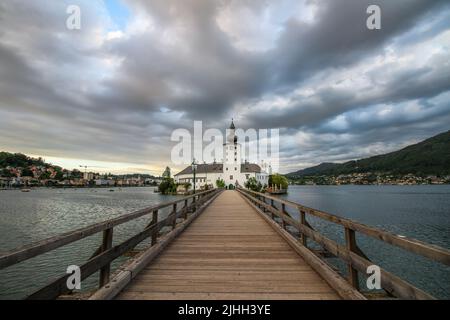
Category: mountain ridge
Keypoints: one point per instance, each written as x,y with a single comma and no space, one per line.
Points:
428,157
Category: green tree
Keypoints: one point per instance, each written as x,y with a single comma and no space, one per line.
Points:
59,176
166,173
278,180
27,172
18,160
45,175
186,185
253,184
167,186
76,174
220,183
6,173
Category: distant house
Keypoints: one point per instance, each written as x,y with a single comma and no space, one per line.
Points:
88,176
104,182
153,181
5,182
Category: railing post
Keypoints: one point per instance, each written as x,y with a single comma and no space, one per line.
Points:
283,212
201,199
303,238
350,240
273,206
156,231
185,208
174,212
106,245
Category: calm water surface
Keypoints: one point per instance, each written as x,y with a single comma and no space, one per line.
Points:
421,212
41,213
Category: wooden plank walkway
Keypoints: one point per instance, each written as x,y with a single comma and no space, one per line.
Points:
229,252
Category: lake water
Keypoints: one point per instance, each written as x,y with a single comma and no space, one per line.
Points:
421,212
42,213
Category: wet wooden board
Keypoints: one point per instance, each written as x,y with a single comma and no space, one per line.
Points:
229,252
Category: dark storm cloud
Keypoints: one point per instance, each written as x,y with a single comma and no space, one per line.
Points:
339,37
206,64
47,77
396,87
101,95
219,75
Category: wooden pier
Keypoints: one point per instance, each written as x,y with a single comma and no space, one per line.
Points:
228,245
229,252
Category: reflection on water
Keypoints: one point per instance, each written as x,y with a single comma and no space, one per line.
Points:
421,212
42,213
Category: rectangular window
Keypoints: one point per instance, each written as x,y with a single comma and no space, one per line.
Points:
231,177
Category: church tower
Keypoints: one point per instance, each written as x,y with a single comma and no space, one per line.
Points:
232,157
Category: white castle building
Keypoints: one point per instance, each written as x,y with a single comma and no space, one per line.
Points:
232,170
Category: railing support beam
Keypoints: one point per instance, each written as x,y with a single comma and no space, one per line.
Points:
272,204
283,211
350,241
303,238
156,231
106,245
174,212
185,208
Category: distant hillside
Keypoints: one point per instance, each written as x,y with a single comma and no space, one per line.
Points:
10,162
19,160
429,157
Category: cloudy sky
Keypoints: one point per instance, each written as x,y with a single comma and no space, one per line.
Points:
111,94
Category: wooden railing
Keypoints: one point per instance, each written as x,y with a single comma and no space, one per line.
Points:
106,253
351,254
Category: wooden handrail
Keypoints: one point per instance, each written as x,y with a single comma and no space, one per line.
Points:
29,251
106,253
432,252
350,253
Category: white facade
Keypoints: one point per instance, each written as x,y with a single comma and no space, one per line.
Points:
202,179
232,159
232,170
